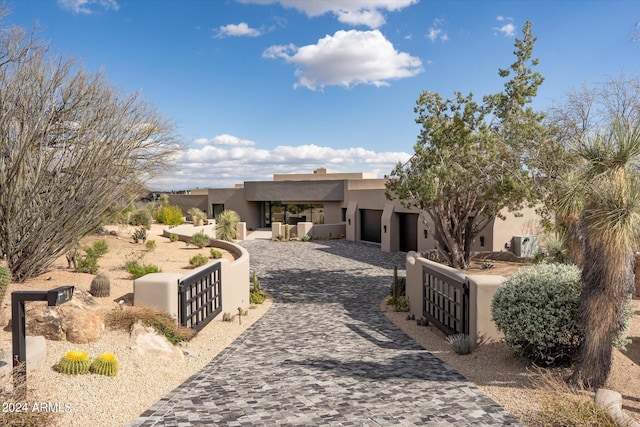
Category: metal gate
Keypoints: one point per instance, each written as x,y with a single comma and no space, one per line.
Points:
200,297
446,302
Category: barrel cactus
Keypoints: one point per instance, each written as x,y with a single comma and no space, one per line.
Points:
105,364
100,286
74,362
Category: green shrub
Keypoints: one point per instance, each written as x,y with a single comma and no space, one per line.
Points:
87,263
537,310
173,237
198,260
141,217
170,215
460,343
138,270
150,245
215,254
100,247
201,240
226,223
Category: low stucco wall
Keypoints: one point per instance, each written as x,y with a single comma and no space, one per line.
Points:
316,231
481,291
160,290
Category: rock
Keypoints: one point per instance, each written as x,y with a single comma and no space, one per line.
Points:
36,350
79,321
149,342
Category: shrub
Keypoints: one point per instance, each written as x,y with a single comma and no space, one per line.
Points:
197,215
200,240
215,254
100,248
141,217
537,310
87,263
138,270
460,343
170,215
160,321
226,223
100,286
305,238
150,245
198,260
173,237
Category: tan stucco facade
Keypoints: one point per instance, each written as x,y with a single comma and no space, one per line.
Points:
353,202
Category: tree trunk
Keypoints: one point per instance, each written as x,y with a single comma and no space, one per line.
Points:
608,277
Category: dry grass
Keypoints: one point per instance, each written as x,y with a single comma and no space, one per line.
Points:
125,318
563,406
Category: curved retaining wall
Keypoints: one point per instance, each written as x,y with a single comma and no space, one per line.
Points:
164,286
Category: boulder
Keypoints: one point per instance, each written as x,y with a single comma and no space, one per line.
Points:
79,321
149,343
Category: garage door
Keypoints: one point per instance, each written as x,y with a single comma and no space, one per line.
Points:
370,221
408,232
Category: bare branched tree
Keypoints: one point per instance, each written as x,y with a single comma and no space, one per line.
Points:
71,147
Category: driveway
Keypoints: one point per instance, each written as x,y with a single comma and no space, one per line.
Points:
324,354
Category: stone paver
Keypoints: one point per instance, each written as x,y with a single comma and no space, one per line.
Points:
324,354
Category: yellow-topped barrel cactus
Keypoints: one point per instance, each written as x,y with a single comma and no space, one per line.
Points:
74,362
105,364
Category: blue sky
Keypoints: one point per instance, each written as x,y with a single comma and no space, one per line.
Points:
257,87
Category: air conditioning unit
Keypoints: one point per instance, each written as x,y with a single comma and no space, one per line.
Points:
525,246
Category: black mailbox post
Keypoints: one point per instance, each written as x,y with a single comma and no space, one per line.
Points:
53,297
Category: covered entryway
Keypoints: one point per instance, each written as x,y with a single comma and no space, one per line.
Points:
370,222
408,229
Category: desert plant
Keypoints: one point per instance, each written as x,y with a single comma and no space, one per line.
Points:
198,260
140,235
100,286
305,238
100,247
486,265
226,223
150,245
105,364
141,217
160,321
460,343
537,310
197,216
173,237
170,215
5,278
227,317
215,254
287,232
138,270
256,296
87,263
200,240
74,362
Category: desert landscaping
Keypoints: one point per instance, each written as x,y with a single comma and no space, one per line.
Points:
143,379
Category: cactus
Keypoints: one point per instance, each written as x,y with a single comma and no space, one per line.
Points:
5,278
105,364
139,235
100,286
287,232
74,362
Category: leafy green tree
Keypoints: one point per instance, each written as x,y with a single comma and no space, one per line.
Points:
71,146
472,160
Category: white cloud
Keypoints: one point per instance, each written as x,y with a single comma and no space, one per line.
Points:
508,29
85,6
225,139
237,30
347,58
435,32
351,12
215,167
